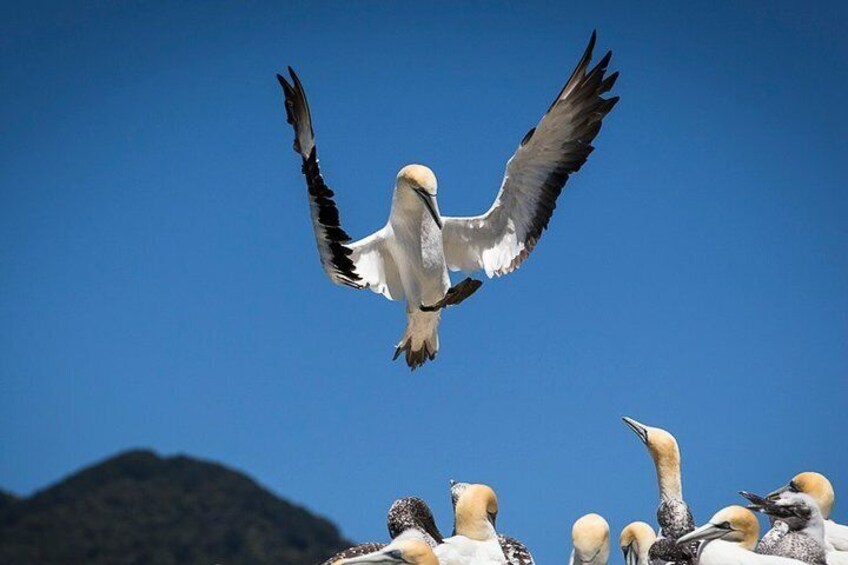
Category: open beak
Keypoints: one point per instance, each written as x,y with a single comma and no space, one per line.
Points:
758,503
429,202
640,429
706,532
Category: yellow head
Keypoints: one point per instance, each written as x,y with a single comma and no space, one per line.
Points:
635,541
734,524
590,537
417,176
666,455
409,551
818,487
476,512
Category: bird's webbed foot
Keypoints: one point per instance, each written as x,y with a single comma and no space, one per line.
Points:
455,295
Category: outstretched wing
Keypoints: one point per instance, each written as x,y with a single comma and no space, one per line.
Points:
502,238
366,263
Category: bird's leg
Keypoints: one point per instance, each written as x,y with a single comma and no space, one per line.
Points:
455,295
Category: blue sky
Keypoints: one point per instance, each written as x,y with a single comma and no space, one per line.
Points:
160,286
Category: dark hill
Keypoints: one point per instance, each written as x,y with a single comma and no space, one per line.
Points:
139,507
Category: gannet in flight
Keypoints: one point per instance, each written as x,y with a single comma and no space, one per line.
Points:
673,513
475,541
799,528
819,487
730,538
515,552
404,551
408,518
635,541
590,541
411,255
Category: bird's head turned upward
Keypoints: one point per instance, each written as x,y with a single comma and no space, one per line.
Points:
813,484
476,512
417,176
733,523
410,551
666,455
590,537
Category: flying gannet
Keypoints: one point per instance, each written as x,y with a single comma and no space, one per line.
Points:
819,487
799,528
475,541
515,552
590,541
411,255
635,541
408,518
730,538
673,514
407,551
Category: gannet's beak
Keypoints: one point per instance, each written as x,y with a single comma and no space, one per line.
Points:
378,557
758,503
706,532
776,493
430,204
630,556
640,429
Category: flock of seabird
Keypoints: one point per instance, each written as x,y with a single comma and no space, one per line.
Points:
410,257
801,533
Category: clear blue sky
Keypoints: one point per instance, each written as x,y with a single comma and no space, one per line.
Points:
159,284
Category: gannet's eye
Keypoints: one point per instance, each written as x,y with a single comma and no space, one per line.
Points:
724,526
793,486
395,554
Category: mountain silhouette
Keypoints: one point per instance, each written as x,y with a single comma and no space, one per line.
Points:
138,507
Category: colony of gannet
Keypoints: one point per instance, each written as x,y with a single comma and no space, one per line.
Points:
409,258
802,532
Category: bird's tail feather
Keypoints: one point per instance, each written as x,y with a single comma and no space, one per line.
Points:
420,341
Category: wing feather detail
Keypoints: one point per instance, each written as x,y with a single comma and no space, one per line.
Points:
502,238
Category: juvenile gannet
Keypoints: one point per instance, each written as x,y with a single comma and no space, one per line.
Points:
799,529
635,540
515,552
819,487
590,541
673,513
408,518
408,551
730,538
475,541
410,257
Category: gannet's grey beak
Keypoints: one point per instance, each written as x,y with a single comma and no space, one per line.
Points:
640,429
706,532
378,557
776,493
430,204
758,503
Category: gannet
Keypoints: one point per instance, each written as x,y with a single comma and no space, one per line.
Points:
799,532
411,255
515,552
407,518
408,551
475,541
590,541
730,538
819,487
635,540
673,514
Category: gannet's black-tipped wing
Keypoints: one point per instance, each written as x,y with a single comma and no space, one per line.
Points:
502,238
516,553
355,551
362,264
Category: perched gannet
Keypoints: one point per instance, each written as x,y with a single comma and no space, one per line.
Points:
635,540
799,527
590,541
673,513
515,552
730,538
819,487
408,518
409,551
475,541
410,257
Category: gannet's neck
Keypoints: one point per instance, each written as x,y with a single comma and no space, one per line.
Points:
670,484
